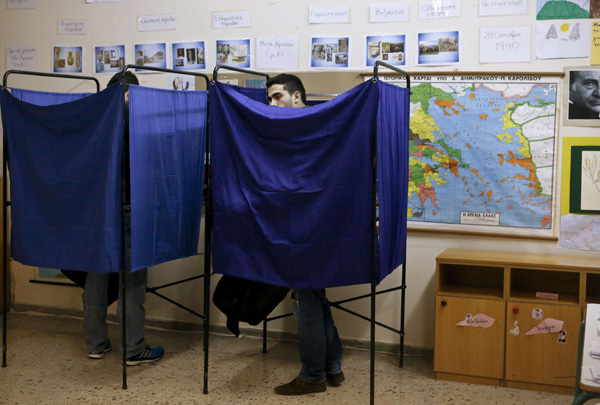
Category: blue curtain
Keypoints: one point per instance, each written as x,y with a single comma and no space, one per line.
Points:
392,175
167,144
250,92
65,181
292,188
43,98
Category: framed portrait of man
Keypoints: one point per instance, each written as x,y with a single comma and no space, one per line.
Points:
581,96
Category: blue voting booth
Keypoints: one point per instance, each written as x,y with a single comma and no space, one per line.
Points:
292,197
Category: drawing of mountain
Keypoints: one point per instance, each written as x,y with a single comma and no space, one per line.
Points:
552,32
575,35
563,9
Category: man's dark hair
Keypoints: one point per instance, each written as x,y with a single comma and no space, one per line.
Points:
127,77
290,83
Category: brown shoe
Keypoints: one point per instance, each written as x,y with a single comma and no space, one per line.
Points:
298,386
335,379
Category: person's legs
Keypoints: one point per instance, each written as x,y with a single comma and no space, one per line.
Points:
136,314
95,303
308,310
333,359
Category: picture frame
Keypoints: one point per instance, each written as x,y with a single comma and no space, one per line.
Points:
582,96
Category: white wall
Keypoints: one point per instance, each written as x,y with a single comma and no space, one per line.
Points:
115,23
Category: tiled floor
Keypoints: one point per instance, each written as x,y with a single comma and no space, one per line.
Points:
48,364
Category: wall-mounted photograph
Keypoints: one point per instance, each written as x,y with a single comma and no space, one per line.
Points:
388,48
330,52
234,52
153,55
581,105
438,48
67,59
109,59
188,55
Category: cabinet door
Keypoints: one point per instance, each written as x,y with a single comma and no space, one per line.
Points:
541,358
468,350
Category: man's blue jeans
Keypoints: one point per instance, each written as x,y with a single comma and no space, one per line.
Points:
95,305
318,340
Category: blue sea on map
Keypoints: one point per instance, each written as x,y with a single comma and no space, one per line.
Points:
513,194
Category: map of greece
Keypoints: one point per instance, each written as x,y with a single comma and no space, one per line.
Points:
482,152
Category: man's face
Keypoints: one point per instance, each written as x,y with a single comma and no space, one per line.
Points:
585,91
279,97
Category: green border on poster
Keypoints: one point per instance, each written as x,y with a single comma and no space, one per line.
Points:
575,192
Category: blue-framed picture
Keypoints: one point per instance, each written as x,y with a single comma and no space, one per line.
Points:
233,52
188,55
67,59
390,49
152,55
438,48
109,59
332,52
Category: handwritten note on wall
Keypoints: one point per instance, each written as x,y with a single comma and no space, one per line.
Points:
72,27
329,15
21,57
21,4
439,9
236,19
596,43
502,7
389,13
156,22
277,52
505,44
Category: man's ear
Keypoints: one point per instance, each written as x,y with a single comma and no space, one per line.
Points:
296,97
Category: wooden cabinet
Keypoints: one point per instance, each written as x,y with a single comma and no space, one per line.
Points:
469,351
505,286
541,358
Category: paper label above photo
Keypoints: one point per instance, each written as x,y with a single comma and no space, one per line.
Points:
502,7
234,19
548,325
72,27
329,15
277,52
477,321
156,22
505,44
439,9
21,4
21,58
389,13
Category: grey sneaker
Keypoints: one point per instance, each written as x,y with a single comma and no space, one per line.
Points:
100,354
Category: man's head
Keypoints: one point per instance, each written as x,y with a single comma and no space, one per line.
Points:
585,91
128,78
286,91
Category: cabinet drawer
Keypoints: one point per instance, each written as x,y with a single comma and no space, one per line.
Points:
469,350
541,358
